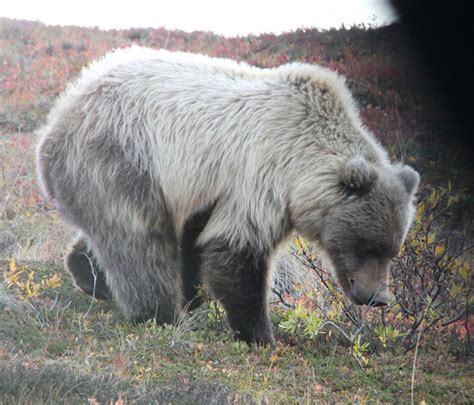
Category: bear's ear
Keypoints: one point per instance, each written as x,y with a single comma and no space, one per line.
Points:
410,178
358,176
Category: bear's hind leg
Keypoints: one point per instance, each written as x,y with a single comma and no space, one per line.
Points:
238,278
82,265
144,274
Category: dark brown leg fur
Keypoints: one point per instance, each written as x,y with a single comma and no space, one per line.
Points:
87,276
191,255
239,280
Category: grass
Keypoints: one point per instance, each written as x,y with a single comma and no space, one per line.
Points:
51,352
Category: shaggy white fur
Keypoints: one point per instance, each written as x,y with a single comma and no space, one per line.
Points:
214,129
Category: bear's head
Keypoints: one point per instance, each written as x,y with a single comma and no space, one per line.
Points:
365,230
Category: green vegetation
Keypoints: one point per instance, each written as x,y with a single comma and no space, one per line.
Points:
58,345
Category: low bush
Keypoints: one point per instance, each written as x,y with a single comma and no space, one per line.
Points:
432,285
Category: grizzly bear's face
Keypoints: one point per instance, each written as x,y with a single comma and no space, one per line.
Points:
362,235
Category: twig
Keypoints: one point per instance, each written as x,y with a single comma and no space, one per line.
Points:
94,274
5,201
330,323
415,357
282,300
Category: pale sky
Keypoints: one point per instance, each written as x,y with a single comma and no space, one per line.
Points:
236,17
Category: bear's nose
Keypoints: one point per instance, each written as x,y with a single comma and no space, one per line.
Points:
375,301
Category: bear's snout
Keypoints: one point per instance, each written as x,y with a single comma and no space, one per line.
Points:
369,285
375,300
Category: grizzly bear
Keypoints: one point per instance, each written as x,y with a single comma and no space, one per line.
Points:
179,170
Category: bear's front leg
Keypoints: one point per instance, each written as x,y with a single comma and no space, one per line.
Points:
238,278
